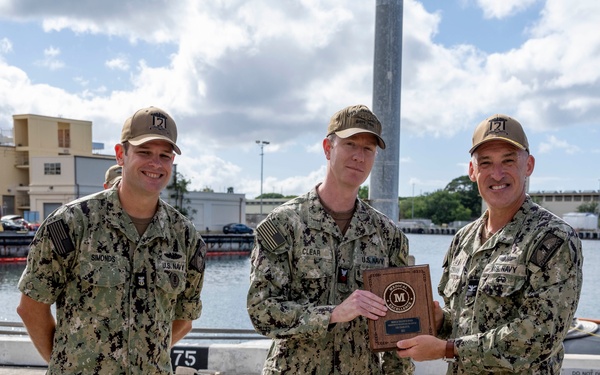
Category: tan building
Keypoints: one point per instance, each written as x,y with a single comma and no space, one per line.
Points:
253,209
562,202
49,161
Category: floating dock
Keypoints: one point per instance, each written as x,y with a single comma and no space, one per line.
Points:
14,247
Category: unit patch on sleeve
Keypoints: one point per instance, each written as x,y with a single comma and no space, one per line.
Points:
546,249
197,262
59,234
271,236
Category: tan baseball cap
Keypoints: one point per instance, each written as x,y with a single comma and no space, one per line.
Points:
113,174
500,128
354,120
148,124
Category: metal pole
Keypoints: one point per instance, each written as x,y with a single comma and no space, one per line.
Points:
413,202
387,68
261,144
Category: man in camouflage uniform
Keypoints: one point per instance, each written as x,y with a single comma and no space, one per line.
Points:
309,256
124,268
112,176
511,279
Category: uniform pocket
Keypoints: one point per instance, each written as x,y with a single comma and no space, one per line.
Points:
103,278
170,282
502,284
313,278
451,287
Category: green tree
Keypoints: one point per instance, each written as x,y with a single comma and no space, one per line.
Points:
467,193
270,196
177,189
413,207
363,192
443,207
588,207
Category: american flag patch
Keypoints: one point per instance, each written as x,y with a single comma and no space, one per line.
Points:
59,234
271,237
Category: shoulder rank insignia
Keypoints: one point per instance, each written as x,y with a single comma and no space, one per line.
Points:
546,249
59,234
271,236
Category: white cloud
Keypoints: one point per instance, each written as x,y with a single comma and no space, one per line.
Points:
118,63
240,70
5,46
50,60
553,144
503,8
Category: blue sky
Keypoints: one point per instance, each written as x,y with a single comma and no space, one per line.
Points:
233,72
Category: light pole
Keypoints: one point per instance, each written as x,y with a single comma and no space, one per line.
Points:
262,145
413,202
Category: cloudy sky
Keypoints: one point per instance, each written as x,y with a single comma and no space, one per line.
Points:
231,72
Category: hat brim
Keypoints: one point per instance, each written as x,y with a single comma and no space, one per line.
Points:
353,131
114,180
498,139
147,138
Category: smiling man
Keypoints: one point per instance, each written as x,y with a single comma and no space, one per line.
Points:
512,278
124,268
308,258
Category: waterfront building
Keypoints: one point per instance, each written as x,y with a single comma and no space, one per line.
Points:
563,202
46,162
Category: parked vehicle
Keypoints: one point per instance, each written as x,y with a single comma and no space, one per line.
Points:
17,220
237,228
8,225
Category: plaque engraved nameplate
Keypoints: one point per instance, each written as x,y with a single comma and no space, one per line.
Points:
408,297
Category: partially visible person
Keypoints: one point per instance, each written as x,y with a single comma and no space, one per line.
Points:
123,268
112,176
306,287
512,279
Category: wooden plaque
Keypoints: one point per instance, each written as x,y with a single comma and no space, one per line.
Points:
408,297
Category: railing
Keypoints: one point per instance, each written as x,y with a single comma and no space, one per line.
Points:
18,329
225,242
14,244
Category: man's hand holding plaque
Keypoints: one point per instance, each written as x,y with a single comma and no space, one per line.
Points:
409,300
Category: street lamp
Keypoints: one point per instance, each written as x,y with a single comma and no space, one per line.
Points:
261,144
413,202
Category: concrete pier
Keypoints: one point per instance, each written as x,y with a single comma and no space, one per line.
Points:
18,355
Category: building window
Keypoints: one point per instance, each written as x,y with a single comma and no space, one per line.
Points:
548,198
568,198
577,198
51,168
64,136
558,198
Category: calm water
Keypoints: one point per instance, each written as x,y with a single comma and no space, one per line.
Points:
227,280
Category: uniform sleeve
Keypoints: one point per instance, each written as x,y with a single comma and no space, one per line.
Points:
51,250
399,250
446,328
189,305
548,304
272,310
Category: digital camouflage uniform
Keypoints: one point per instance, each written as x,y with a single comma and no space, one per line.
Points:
513,298
302,267
116,294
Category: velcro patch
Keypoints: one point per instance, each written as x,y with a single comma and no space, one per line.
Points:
59,234
197,262
546,249
271,236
